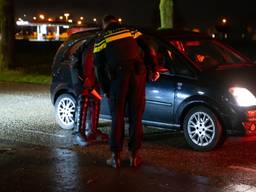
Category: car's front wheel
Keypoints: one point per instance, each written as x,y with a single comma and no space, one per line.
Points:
65,106
203,130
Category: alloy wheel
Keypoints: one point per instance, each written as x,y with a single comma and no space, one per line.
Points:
201,129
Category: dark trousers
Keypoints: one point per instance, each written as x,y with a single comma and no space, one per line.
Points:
127,89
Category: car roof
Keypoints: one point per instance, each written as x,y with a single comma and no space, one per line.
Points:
179,34
85,33
162,33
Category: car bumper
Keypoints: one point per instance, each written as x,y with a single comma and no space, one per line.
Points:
241,121
250,123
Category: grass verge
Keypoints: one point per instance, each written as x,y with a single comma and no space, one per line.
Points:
21,77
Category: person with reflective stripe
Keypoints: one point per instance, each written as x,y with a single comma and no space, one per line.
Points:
88,105
122,73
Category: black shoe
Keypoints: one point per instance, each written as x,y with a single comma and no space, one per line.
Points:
114,161
135,159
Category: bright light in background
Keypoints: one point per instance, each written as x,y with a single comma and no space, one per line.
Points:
34,18
21,22
94,20
213,35
41,16
224,20
81,18
70,21
120,20
61,17
50,19
79,22
197,30
66,15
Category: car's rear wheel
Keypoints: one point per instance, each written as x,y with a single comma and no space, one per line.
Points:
202,128
65,107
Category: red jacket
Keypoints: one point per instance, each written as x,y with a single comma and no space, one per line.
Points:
88,72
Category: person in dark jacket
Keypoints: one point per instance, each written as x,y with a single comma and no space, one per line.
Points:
121,71
88,108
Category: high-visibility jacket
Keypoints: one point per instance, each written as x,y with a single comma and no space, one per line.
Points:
114,46
118,44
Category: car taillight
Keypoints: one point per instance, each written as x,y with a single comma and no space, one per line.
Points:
250,127
251,115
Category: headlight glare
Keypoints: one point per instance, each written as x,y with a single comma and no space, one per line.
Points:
243,96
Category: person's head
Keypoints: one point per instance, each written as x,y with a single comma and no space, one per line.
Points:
108,19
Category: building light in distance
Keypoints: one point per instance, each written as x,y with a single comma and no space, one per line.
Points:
224,21
41,16
67,15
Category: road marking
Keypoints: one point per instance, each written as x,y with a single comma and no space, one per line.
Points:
43,133
246,169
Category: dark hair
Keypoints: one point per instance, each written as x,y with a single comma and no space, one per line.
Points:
108,18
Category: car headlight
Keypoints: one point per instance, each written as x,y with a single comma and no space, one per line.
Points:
243,96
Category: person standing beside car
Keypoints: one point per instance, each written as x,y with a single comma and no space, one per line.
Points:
117,54
88,102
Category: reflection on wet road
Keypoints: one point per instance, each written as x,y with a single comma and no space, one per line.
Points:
36,155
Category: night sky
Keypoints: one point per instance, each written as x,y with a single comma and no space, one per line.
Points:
191,13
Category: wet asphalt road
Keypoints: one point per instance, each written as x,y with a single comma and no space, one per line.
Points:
36,155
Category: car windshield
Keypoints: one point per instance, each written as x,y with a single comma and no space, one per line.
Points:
207,54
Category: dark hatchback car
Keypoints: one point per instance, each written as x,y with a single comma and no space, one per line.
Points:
205,89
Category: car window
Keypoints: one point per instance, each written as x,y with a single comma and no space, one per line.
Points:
170,61
163,56
73,49
207,54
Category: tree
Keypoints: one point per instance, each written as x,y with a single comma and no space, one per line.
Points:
166,13
7,28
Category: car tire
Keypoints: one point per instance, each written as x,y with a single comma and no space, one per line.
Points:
65,107
202,129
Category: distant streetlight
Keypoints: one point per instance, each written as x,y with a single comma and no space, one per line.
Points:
50,19
61,17
224,21
94,20
66,15
81,18
79,22
41,16
34,18
120,20
70,21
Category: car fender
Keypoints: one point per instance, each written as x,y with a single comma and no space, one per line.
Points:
193,101
64,88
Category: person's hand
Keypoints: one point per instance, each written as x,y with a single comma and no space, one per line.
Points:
155,76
